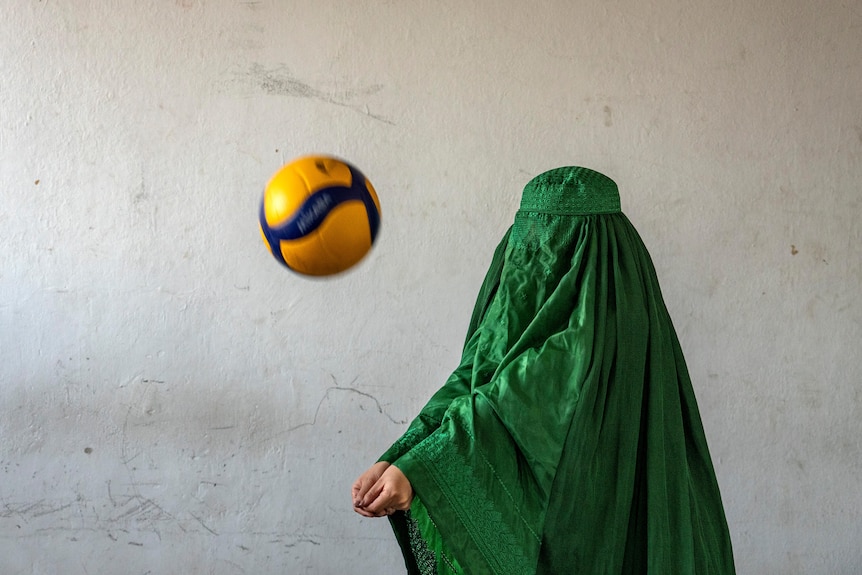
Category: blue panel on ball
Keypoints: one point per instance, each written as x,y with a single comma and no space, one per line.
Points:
358,181
314,210
274,245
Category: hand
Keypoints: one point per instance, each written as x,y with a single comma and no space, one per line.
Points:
365,482
391,493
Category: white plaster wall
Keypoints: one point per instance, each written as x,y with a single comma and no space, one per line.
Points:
174,402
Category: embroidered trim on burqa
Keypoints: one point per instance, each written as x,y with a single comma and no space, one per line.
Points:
484,523
425,559
405,443
571,190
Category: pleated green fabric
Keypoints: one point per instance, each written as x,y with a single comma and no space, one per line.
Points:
568,439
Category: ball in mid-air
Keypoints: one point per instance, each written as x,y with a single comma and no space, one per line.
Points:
319,215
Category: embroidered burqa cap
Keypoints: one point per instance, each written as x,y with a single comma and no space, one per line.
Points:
568,439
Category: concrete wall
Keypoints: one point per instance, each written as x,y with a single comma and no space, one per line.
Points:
172,401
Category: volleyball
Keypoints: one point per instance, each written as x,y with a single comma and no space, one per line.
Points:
319,215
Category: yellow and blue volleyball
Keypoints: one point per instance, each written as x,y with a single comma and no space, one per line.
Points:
319,215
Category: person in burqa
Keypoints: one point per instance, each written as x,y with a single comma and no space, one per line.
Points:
568,440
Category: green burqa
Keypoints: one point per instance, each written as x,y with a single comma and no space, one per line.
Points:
568,440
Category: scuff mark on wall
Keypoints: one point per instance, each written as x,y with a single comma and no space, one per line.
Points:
323,399
280,81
